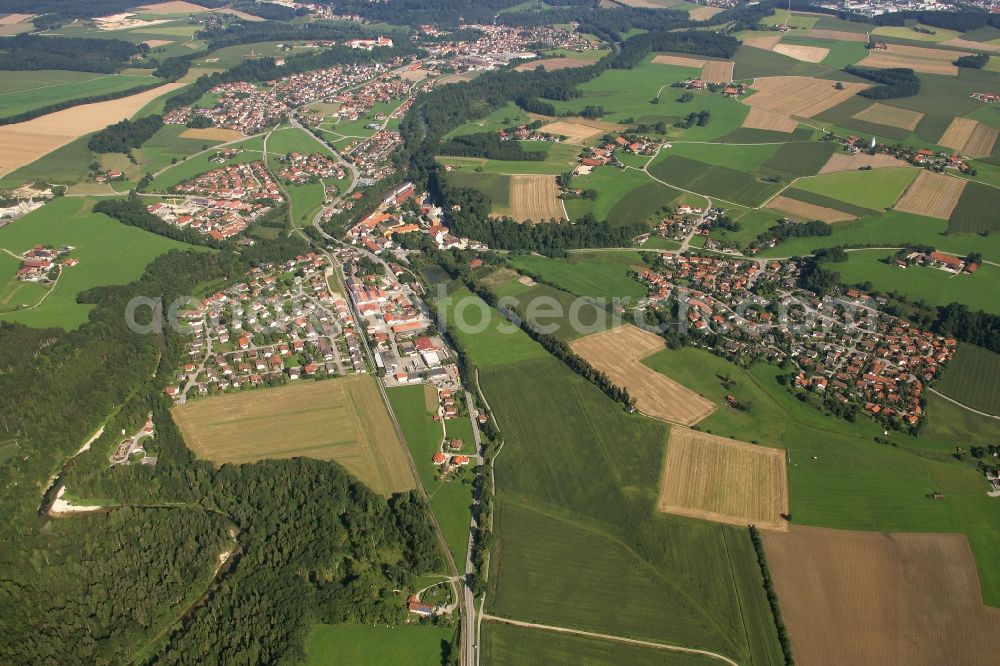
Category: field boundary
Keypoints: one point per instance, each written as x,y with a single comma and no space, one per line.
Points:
609,637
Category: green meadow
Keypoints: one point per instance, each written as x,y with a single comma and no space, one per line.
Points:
451,499
593,274
875,189
973,378
919,283
109,253
494,185
362,645
559,158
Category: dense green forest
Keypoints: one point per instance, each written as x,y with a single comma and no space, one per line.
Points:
31,52
125,135
895,82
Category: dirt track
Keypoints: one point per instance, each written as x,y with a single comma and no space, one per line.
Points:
873,598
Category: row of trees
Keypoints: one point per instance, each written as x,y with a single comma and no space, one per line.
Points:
772,597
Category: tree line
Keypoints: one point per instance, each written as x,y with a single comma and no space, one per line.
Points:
772,596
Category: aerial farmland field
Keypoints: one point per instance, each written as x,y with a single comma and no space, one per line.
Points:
976,210
594,274
973,378
340,419
24,91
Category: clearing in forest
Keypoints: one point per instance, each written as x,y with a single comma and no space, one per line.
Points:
910,599
618,353
932,195
341,419
535,198
799,95
882,114
724,480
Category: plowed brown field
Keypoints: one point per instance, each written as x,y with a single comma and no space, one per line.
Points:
931,194
872,598
618,353
724,480
848,162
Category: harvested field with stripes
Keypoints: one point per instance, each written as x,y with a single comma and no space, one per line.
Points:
853,162
577,130
932,195
803,53
917,58
799,95
970,137
703,13
769,120
717,71
724,480
618,353
883,114
802,210
910,599
535,198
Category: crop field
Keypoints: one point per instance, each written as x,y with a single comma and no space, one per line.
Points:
364,645
853,162
583,479
903,598
717,71
724,480
867,189
594,274
882,114
109,253
27,141
619,353
535,198
932,194
340,419
504,643
976,211
889,60
769,120
680,61
970,137
836,35
800,158
799,95
578,130
973,378
764,42
559,158
711,180
803,53
39,93
805,211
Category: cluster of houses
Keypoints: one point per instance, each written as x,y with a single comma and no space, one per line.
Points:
989,98
135,444
250,108
919,156
375,231
732,89
283,323
39,263
596,156
842,348
498,45
308,168
223,202
945,262
371,156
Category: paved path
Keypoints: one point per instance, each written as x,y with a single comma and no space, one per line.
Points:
615,639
